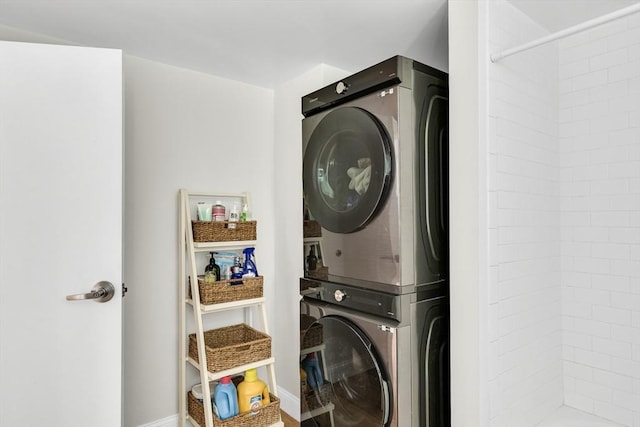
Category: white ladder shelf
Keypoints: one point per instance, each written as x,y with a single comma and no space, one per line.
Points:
187,268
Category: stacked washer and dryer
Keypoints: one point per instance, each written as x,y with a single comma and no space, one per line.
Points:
375,180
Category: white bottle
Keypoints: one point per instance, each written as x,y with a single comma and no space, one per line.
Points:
234,216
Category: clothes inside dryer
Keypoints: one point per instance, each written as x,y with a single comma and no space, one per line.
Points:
346,169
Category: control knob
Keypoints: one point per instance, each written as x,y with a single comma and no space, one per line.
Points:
339,295
341,88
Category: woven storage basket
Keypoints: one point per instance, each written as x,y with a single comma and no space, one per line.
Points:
229,290
310,336
265,416
232,346
315,399
219,231
311,229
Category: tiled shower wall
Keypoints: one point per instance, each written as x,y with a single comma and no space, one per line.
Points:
599,143
525,325
564,231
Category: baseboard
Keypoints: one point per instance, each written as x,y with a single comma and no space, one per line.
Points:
171,421
289,403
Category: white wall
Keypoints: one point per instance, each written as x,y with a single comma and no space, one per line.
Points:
468,217
600,188
288,221
189,130
524,299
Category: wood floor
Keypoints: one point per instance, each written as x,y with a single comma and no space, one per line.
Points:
288,421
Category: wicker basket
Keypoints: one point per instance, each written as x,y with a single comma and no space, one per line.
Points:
229,290
232,346
311,229
221,231
310,332
315,399
265,416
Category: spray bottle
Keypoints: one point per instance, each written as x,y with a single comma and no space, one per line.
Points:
249,269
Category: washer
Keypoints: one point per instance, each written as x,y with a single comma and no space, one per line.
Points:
375,178
384,358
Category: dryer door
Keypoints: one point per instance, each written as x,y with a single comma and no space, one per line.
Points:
355,390
346,169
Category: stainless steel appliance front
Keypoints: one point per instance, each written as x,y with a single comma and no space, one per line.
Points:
375,181
377,370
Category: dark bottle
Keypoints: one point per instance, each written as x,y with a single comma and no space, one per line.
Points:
312,259
212,270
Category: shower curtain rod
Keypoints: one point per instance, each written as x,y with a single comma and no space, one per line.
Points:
621,13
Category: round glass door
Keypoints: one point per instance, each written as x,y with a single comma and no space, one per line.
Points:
354,390
346,169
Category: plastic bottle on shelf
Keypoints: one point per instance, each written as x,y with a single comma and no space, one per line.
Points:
234,216
212,270
303,381
244,215
197,392
249,269
312,368
225,397
219,211
253,393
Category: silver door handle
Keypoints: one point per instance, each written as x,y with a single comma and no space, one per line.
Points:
102,292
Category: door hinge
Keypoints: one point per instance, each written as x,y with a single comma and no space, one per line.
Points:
124,290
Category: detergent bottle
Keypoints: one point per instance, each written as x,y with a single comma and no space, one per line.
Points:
303,381
253,393
314,374
225,397
249,269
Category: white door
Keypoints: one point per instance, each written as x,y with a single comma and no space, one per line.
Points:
60,233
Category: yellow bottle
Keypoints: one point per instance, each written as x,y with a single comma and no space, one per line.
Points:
252,392
303,381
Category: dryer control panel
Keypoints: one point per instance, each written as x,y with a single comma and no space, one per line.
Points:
364,300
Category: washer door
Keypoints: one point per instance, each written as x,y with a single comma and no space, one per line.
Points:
355,391
346,169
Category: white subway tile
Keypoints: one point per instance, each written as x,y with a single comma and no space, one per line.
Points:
578,401
623,71
612,348
628,235
594,391
610,186
613,316
627,136
625,333
610,219
610,283
587,326
627,400
593,359
609,91
608,59
613,380
610,250
613,412
625,268
625,300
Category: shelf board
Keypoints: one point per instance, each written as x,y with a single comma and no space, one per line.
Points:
195,423
208,246
318,411
213,308
233,371
305,351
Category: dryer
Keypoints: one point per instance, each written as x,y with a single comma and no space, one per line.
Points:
375,178
383,359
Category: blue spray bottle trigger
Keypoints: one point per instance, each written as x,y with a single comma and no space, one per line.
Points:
249,269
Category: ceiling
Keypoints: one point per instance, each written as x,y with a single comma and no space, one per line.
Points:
261,42
556,15
267,42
